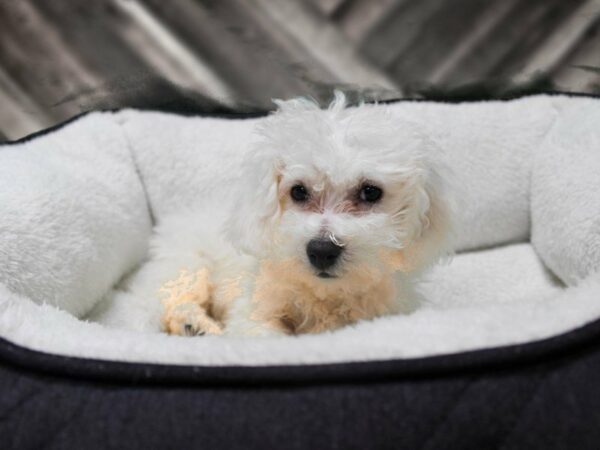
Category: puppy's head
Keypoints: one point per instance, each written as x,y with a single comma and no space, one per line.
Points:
341,192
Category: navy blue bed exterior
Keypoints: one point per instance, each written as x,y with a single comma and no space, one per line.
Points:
541,395
544,395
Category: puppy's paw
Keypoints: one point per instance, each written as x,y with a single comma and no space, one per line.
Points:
189,319
188,300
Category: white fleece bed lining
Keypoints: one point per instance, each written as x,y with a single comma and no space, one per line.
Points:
514,292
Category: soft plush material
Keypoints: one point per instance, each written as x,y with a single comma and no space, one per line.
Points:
504,353
77,206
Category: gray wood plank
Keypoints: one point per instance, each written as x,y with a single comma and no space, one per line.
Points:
580,72
550,14
327,45
92,33
212,30
358,18
397,31
439,35
452,67
19,113
485,59
34,56
60,57
328,7
564,37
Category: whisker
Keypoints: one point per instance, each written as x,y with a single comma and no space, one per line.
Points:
333,239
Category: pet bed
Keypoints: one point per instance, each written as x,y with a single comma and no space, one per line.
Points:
504,353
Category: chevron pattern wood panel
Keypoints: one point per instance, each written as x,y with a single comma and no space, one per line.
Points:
61,57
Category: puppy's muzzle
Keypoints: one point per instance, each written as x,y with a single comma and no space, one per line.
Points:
323,254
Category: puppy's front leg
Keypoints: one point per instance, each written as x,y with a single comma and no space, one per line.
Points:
242,320
188,304
189,319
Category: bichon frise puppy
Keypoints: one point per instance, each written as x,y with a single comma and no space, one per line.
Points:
337,213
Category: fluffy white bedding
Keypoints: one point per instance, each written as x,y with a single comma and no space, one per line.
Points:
76,210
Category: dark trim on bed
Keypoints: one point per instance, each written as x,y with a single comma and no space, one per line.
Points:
553,350
258,114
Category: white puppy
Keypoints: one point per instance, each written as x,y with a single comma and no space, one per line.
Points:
338,211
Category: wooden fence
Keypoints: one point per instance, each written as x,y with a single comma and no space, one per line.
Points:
61,57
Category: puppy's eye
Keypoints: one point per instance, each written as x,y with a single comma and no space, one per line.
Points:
299,193
371,194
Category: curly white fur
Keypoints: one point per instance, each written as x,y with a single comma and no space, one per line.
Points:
332,153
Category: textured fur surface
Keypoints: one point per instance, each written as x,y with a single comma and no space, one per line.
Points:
74,219
332,153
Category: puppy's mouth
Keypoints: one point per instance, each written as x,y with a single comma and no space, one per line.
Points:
325,275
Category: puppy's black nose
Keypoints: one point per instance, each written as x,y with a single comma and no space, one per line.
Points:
322,253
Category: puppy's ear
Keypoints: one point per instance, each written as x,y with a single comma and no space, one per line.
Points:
426,221
256,207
